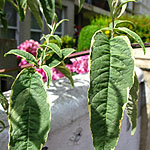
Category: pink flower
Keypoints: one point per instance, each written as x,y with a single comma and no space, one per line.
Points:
79,65
56,74
23,62
41,71
30,46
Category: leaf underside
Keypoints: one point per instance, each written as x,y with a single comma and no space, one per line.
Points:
111,75
29,109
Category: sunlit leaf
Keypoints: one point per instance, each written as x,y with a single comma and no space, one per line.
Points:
48,9
29,116
54,47
121,8
111,74
27,56
48,72
133,35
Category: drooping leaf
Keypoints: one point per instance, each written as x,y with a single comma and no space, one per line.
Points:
110,2
121,8
2,4
35,10
81,2
48,72
118,22
48,9
66,72
133,35
21,10
6,75
27,56
55,60
54,47
29,116
13,4
131,107
111,75
4,102
59,23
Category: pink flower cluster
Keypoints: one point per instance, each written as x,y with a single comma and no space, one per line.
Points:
28,46
80,65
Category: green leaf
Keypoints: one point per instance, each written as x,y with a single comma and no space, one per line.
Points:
3,126
66,72
57,38
42,58
118,22
48,9
110,2
122,6
39,52
4,102
60,3
111,75
21,10
54,47
81,2
2,4
133,35
6,76
23,3
34,9
13,4
27,56
60,22
131,107
29,116
3,19
122,10
55,60
48,73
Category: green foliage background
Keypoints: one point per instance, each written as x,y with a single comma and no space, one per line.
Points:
141,27
67,41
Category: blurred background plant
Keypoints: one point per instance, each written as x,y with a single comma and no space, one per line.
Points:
67,41
88,31
141,27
